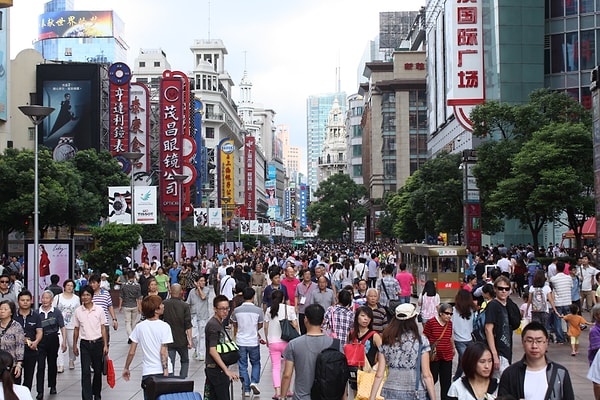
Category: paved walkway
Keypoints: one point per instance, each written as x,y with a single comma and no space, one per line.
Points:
69,382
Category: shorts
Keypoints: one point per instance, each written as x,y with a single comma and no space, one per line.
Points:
574,339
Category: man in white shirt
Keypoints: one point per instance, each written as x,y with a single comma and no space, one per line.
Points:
248,320
153,336
505,265
587,274
561,287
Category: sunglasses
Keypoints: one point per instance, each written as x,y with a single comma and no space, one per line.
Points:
448,313
3,281
503,288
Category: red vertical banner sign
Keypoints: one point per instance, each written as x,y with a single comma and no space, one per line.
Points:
119,76
467,82
171,118
250,182
139,127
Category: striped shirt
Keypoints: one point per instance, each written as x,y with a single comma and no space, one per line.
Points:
433,330
561,287
104,300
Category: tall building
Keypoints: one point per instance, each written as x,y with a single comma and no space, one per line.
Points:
333,157
394,27
65,34
317,112
394,125
354,132
506,57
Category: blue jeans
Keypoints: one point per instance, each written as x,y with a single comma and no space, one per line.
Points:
563,310
185,360
254,354
404,299
460,349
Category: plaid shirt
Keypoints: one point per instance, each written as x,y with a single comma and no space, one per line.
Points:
392,287
339,320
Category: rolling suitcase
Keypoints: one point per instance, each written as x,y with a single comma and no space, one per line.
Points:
180,396
156,386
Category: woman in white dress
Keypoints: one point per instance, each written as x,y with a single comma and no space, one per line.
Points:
67,302
10,391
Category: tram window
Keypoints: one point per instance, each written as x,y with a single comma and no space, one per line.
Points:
434,265
449,264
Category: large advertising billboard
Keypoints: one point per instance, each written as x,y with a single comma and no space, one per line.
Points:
54,258
73,91
3,53
75,24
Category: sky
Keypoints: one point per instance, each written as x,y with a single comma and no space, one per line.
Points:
291,49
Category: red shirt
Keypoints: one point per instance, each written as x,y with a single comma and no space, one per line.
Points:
291,289
433,330
406,280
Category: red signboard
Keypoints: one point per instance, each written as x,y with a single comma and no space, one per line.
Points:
171,140
119,76
250,183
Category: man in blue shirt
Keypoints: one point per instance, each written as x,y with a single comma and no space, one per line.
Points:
174,273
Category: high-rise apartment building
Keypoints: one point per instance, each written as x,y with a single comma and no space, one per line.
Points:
354,132
317,112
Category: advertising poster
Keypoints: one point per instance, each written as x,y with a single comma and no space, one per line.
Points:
186,250
54,258
148,250
215,218
75,24
200,216
70,119
119,204
3,53
145,205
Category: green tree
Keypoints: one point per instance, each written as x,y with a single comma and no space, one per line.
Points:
520,168
203,234
340,205
113,243
430,201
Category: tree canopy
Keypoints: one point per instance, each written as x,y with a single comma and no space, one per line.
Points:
430,201
340,205
539,166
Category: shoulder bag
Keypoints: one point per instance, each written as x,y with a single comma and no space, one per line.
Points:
287,330
355,352
228,351
434,344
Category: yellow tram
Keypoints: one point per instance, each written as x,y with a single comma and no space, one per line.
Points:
445,265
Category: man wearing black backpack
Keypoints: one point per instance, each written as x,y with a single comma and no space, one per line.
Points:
322,370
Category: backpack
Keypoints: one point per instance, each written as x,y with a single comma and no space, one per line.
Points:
331,374
478,333
538,300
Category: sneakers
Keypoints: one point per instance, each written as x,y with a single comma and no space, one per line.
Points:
60,369
71,364
573,354
247,394
195,355
254,388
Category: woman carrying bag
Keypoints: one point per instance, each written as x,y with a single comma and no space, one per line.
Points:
364,340
276,313
439,332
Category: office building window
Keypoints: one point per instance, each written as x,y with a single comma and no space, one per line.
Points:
210,133
157,63
142,64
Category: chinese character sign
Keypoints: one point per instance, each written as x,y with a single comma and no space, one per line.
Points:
466,48
227,176
119,76
139,124
171,140
250,185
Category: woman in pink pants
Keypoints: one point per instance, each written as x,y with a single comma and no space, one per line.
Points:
277,312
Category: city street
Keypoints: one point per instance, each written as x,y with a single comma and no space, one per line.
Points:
69,382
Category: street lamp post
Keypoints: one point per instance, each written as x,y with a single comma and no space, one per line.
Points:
37,115
179,179
132,157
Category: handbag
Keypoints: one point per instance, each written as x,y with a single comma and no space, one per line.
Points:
110,373
287,330
229,351
364,385
355,351
433,350
331,333
390,309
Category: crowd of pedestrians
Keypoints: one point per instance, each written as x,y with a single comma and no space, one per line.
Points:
333,296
